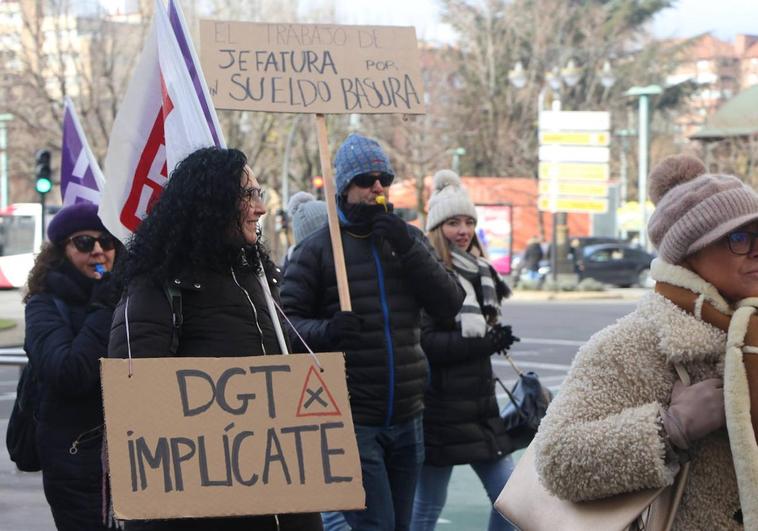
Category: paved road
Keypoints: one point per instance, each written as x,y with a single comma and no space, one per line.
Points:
551,332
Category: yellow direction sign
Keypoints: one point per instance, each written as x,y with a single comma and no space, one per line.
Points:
555,153
575,138
584,188
573,204
574,171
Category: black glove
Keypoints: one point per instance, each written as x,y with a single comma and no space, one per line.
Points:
105,293
497,340
501,338
393,229
344,330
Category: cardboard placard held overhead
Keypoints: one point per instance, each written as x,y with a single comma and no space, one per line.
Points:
200,437
311,68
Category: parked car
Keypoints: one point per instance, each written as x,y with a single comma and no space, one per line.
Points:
620,264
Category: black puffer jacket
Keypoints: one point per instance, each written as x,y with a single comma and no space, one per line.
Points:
224,315
386,378
65,351
461,422
219,320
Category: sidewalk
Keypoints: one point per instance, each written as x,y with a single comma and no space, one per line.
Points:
12,337
22,503
632,294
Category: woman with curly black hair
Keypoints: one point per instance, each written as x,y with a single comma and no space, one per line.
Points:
202,239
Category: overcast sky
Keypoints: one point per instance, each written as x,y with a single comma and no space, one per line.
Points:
724,18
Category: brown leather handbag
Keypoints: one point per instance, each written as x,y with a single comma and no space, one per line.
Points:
531,507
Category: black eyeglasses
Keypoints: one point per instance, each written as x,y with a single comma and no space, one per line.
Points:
367,180
741,242
253,194
85,243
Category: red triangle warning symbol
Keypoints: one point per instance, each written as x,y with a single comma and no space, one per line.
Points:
315,399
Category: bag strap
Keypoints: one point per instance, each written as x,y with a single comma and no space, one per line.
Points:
515,367
684,471
512,398
65,313
64,310
174,296
29,376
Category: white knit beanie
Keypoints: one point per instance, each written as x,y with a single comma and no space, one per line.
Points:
449,199
307,213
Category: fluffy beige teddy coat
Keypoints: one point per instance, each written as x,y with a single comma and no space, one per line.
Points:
602,434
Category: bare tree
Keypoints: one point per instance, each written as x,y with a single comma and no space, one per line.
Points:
497,122
59,54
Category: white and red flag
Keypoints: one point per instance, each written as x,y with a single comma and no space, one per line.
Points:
81,177
162,119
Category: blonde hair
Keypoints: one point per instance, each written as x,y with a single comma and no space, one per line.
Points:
442,245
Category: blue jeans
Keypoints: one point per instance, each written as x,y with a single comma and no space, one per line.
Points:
391,458
431,493
334,521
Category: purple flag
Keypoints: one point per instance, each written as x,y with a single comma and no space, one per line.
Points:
193,67
81,178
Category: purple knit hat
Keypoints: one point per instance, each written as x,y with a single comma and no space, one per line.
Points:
73,218
694,208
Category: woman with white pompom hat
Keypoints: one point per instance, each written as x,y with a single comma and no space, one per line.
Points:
462,424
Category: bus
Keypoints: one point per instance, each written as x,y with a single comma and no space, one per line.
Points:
20,240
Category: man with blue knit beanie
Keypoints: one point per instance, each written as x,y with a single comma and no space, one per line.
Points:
393,273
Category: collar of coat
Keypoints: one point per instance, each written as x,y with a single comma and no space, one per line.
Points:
698,298
680,337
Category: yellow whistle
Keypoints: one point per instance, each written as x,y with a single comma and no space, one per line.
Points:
381,200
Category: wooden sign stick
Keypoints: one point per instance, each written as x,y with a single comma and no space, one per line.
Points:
331,210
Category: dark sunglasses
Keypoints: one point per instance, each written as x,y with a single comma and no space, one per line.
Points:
741,242
366,180
85,243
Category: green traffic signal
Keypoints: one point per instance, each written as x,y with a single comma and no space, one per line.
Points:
44,185
42,171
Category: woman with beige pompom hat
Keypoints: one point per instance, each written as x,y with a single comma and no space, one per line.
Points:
667,384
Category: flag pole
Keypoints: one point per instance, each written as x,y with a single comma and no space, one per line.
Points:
331,210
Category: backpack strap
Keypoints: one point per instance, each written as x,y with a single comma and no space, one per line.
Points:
29,378
65,313
64,310
174,295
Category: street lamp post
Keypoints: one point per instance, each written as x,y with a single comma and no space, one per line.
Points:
643,93
457,154
286,163
4,119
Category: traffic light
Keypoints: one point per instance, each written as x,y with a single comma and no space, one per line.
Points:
42,172
318,186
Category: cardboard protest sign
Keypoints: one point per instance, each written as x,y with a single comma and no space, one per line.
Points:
311,68
194,437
